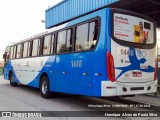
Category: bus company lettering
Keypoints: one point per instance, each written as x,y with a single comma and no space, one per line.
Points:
76,63
121,20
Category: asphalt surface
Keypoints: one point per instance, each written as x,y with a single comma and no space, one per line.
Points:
23,98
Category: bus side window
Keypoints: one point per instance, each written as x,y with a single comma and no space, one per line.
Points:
25,46
81,37
22,47
18,54
41,43
35,47
47,45
14,53
69,40
61,42
19,51
11,53
52,44
86,36
29,53
93,34
39,47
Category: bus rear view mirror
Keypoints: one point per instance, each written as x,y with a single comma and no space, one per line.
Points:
4,56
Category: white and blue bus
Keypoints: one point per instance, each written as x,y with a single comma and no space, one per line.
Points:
109,52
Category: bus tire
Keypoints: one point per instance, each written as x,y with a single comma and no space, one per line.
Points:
45,87
12,83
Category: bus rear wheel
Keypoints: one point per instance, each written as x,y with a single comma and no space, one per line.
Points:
12,83
44,88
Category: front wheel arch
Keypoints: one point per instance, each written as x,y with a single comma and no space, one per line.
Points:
12,83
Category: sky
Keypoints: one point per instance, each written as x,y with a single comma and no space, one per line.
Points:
21,19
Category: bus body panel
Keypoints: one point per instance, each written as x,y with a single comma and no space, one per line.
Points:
76,74
85,73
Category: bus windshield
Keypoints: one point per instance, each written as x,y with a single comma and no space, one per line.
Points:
133,29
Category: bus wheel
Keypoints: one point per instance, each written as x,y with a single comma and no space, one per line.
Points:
44,88
12,83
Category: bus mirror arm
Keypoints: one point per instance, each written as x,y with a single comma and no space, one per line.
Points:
4,56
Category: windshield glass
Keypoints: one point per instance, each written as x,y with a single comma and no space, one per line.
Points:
133,29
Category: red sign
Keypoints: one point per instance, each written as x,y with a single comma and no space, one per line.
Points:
136,74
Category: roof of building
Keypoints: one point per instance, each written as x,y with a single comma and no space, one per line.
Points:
69,9
149,8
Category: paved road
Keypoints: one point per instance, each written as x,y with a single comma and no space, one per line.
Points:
23,98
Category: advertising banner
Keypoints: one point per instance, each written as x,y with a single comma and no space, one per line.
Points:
133,29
